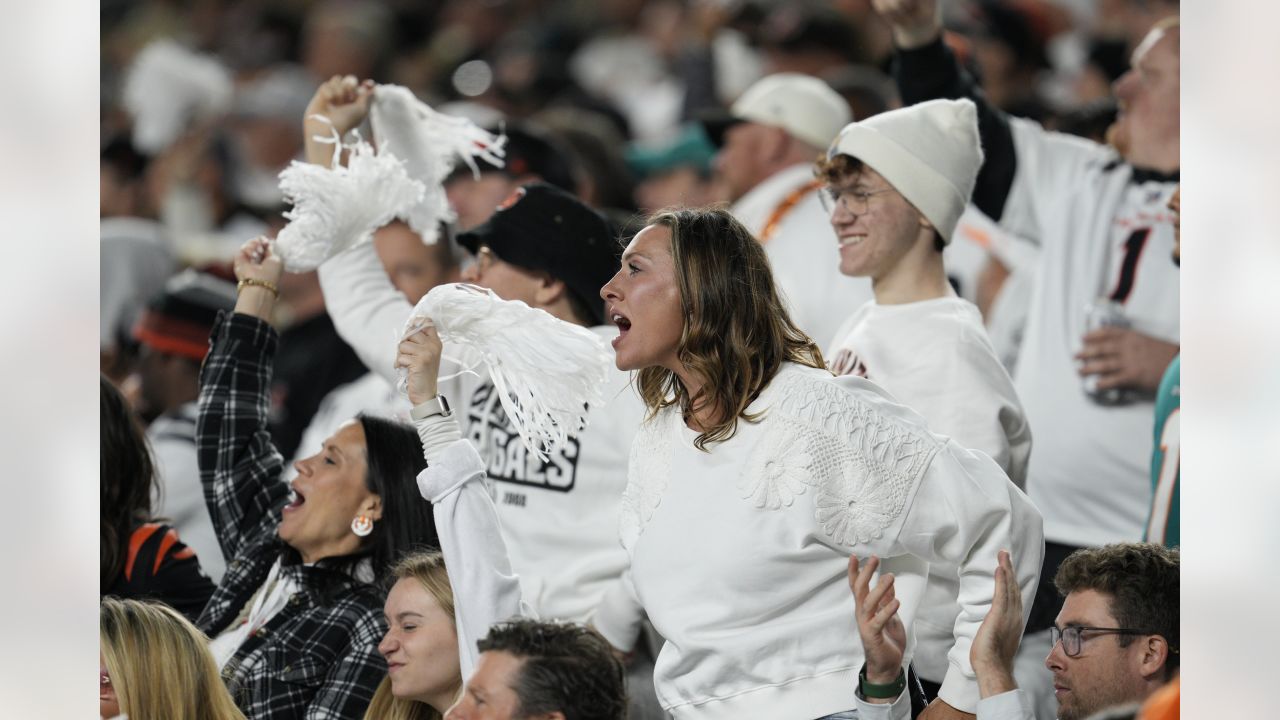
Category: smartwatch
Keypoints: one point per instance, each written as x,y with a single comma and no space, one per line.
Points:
430,408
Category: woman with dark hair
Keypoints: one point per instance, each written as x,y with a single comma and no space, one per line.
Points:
297,619
139,558
757,475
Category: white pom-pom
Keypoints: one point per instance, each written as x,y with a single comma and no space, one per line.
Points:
340,207
166,87
546,371
430,144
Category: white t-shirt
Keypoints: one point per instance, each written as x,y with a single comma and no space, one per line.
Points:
803,253
1104,231
739,555
934,357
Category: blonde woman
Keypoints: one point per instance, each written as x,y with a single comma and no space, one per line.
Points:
424,676
156,666
759,473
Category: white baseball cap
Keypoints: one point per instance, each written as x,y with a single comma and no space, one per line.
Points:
803,105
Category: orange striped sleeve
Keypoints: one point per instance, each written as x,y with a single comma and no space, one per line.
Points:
139,536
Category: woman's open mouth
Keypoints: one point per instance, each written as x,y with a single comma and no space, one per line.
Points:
623,323
298,500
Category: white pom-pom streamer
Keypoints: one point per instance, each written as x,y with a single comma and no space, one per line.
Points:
430,143
166,87
546,371
340,207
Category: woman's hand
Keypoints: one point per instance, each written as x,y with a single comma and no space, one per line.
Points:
258,271
345,102
884,638
420,354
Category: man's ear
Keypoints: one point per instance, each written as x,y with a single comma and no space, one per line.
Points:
774,143
1154,657
548,716
549,291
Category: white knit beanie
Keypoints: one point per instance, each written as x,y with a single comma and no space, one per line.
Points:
929,152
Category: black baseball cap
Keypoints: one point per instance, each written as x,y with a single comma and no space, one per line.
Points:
541,227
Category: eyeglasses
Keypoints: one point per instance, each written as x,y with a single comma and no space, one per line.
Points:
854,202
1072,637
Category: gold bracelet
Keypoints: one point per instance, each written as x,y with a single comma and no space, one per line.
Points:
260,283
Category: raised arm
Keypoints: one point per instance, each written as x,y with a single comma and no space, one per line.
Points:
485,589
239,466
926,69
366,308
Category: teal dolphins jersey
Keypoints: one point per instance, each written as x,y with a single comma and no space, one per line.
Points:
1166,460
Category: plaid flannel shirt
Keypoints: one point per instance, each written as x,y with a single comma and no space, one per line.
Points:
317,658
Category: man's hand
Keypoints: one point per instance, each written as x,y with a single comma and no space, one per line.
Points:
915,23
1124,358
997,639
884,638
256,264
420,353
345,102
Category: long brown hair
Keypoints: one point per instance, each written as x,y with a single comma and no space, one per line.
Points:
160,664
427,568
737,332
127,482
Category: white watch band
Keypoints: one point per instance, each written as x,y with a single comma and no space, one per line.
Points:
430,408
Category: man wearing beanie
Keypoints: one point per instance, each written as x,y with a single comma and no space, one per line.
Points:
173,334
767,143
896,185
1102,322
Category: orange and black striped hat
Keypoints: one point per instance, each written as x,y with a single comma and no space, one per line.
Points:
179,319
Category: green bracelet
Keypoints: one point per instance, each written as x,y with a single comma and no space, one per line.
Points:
881,692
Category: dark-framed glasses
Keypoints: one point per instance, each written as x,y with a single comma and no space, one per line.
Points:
853,201
1072,637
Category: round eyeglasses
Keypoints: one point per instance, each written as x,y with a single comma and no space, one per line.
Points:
854,202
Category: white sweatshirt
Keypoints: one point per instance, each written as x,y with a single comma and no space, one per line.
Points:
739,555
559,518
935,358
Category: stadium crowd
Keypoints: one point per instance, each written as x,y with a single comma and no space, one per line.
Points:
888,290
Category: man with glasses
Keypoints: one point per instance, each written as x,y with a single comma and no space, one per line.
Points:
1114,643
895,186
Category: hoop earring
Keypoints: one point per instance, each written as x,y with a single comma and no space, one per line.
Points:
362,525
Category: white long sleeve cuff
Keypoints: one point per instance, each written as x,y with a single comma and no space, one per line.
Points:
485,589
1012,705
437,433
899,709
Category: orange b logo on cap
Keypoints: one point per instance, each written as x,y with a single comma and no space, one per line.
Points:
511,199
